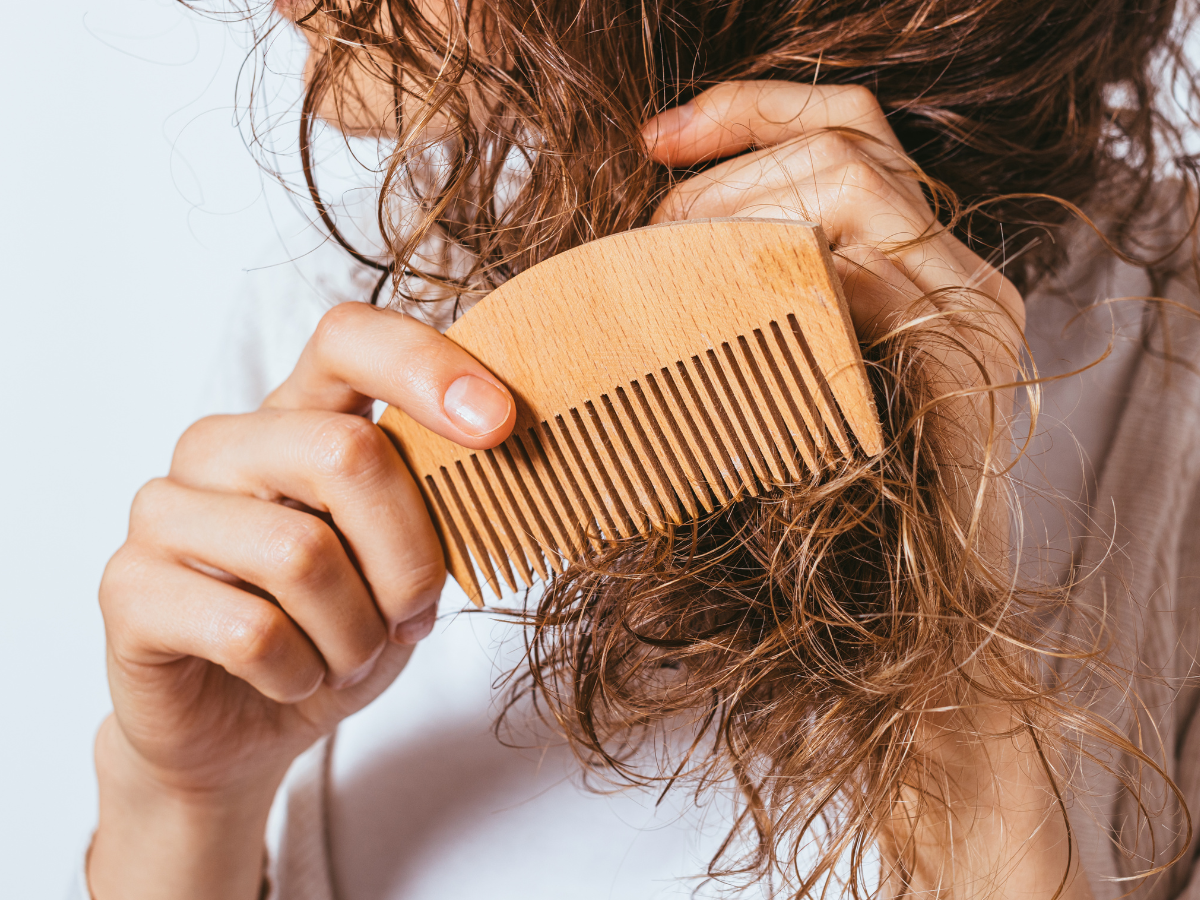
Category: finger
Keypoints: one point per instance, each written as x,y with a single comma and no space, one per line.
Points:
157,612
855,203
742,115
880,297
778,172
360,353
293,556
332,463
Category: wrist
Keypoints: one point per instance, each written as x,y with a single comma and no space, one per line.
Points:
156,839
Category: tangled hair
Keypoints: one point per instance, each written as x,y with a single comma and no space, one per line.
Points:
1021,108
803,645
800,643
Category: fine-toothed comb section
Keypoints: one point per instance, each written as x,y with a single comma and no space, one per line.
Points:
659,375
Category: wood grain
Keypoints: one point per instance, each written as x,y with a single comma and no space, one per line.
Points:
659,374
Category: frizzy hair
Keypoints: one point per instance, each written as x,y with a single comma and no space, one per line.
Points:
797,643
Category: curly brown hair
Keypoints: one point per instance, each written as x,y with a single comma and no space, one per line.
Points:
795,643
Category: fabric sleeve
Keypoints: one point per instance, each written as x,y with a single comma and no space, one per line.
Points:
1186,703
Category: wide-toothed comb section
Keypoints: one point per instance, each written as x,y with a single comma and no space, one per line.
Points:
659,376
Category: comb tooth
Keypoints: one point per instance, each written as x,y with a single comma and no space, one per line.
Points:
583,470
508,544
614,503
683,438
799,414
771,412
725,408
677,404
484,526
577,511
646,497
478,548
456,548
766,448
773,409
557,541
675,452
606,440
522,532
649,457
710,432
797,346
537,534
560,514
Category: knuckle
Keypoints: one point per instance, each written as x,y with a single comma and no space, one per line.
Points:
334,326
720,95
255,637
349,447
833,145
860,102
198,434
860,175
148,504
121,575
300,549
426,580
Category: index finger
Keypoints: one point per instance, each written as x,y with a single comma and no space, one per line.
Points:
360,353
741,115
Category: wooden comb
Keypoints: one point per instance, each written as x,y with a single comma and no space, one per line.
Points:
658,374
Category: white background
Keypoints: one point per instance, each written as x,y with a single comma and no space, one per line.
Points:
130,210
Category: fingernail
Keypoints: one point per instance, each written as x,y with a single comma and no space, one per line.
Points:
410,631
668,122
360,673
476,406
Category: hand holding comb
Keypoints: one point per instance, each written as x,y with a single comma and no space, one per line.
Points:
659,374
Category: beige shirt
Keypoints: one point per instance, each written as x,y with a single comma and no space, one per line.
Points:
1123,447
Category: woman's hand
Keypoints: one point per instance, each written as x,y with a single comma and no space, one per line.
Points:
272,584
827,154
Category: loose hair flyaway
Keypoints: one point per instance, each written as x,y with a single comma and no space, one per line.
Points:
803,644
